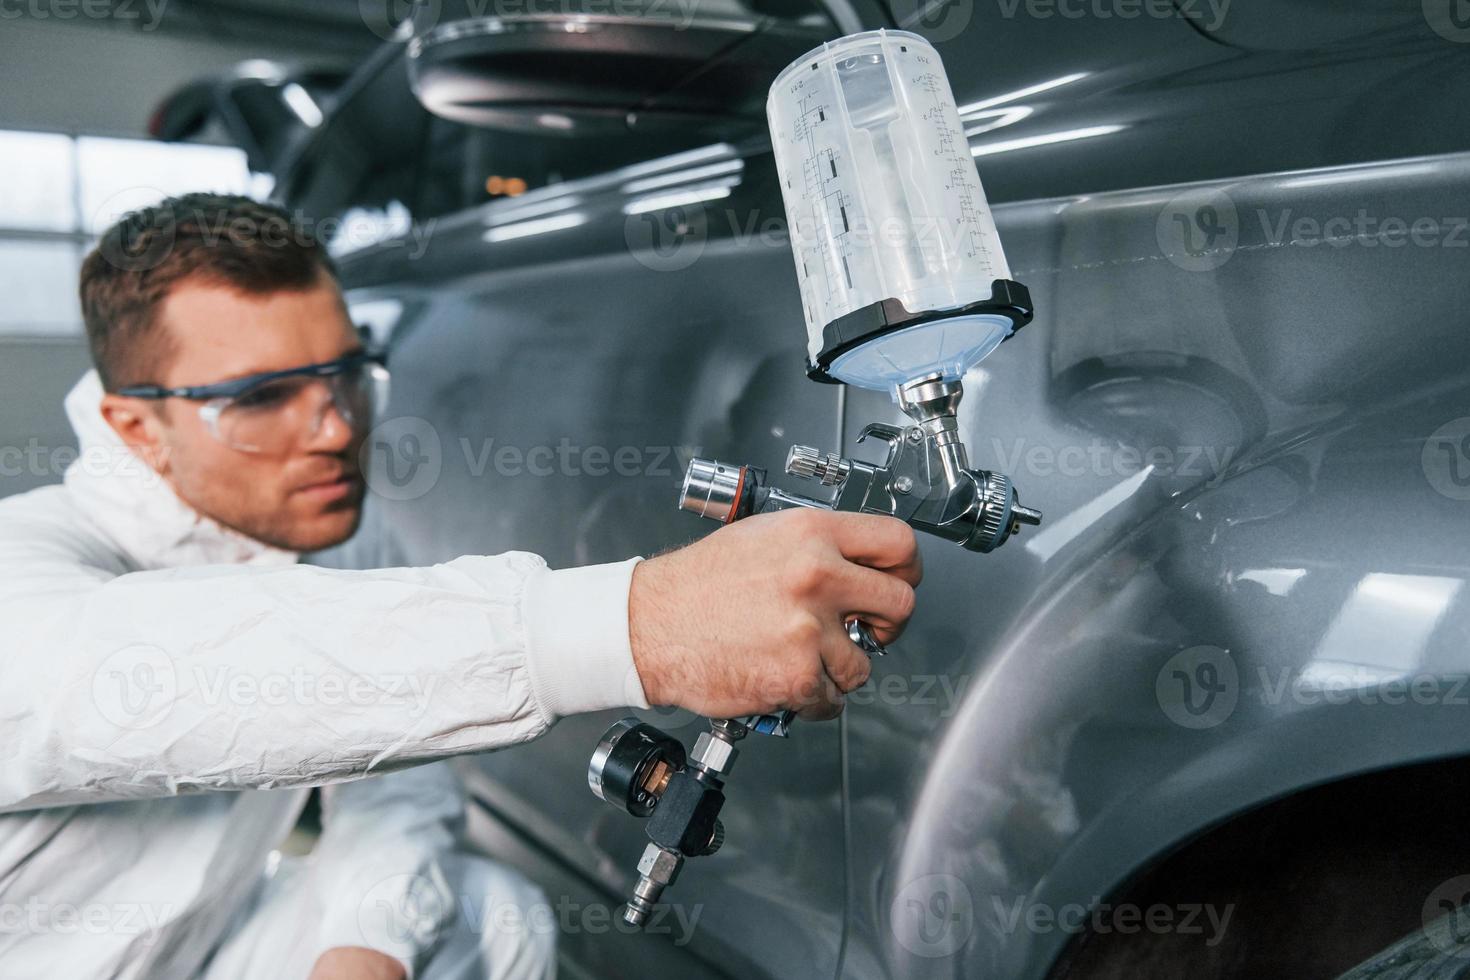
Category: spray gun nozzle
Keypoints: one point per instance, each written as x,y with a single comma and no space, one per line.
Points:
1026,515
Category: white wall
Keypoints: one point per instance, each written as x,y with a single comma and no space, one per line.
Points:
35,376
84,77
99,78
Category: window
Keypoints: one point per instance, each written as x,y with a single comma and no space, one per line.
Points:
39,189
58,192
39,279
118,176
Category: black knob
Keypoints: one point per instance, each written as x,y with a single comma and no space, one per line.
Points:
631,765
716,838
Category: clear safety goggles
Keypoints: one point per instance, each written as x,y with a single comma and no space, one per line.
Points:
273,411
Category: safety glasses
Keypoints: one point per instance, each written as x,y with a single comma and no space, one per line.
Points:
271,412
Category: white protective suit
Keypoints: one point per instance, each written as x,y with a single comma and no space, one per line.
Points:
170,685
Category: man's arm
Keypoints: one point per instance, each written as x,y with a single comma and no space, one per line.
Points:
226,677
155,683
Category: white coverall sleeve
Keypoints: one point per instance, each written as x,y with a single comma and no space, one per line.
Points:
379,866
227,677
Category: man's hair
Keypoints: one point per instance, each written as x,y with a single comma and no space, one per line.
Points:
209,239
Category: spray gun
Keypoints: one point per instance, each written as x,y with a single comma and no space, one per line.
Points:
925,478
904,287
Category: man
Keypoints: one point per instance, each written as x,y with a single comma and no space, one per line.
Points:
175,679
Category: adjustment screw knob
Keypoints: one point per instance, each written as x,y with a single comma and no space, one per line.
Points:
809,464
803,462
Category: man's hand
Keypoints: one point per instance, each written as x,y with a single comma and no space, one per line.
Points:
751,618
356,963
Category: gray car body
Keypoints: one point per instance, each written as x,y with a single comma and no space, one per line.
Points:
1251,579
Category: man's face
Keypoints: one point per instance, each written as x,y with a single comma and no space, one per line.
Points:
306,498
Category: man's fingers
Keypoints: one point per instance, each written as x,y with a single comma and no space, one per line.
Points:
884,635
847,666
880,599
879,542
822,703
